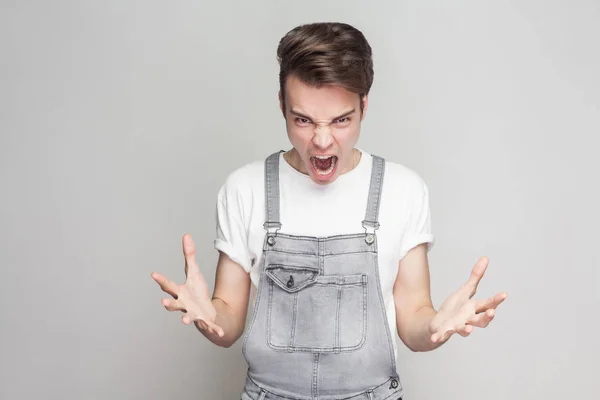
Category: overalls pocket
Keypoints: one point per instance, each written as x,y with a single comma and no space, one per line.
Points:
311,312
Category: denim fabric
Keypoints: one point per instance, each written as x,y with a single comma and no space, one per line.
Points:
319,327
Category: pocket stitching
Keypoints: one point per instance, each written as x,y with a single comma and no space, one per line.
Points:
328,349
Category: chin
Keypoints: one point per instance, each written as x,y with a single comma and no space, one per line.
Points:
323,182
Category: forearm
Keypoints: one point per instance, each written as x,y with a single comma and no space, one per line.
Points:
232,325
414,330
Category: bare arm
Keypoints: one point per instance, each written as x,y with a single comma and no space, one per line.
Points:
419,325
230,299
414,309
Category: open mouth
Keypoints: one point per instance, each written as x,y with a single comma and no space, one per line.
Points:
324,165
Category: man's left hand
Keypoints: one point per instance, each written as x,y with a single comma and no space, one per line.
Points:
460,313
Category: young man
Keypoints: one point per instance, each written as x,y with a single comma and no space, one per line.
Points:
333,241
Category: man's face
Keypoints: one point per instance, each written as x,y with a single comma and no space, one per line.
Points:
323,125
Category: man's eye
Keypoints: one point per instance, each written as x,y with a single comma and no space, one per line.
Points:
344,120
302,121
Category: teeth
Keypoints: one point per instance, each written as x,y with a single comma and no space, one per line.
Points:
323,157
331,167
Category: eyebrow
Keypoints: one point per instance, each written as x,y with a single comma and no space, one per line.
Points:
333,119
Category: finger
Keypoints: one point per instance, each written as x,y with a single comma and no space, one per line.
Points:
189,252
217,330
442,335
173,305
465,330
186,319
209,327
447,334
212,331
476,275
490,303
483,319
201,324
166,285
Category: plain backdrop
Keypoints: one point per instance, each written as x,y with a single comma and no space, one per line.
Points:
120,120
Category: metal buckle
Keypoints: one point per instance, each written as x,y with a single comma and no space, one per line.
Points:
270,225
373,225
272,228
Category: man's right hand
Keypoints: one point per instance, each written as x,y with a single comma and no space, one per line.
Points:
192,297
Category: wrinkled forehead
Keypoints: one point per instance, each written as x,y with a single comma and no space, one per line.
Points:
320,103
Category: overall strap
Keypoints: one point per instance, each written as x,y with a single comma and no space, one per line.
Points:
272,223
371,223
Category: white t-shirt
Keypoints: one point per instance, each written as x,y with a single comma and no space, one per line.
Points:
310,209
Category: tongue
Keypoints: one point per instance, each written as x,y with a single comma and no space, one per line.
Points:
323,164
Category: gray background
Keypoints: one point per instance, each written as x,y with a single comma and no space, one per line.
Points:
121,119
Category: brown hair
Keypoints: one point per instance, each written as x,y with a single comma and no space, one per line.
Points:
326,53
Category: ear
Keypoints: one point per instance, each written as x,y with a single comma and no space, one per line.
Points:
365,106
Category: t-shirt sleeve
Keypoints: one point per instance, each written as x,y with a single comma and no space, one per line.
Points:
417,229
231,231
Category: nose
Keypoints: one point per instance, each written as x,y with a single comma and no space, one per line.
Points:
322,138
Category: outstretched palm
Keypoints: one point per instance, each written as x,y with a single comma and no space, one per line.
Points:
191,297
460,313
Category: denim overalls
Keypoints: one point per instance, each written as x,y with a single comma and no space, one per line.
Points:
319,329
